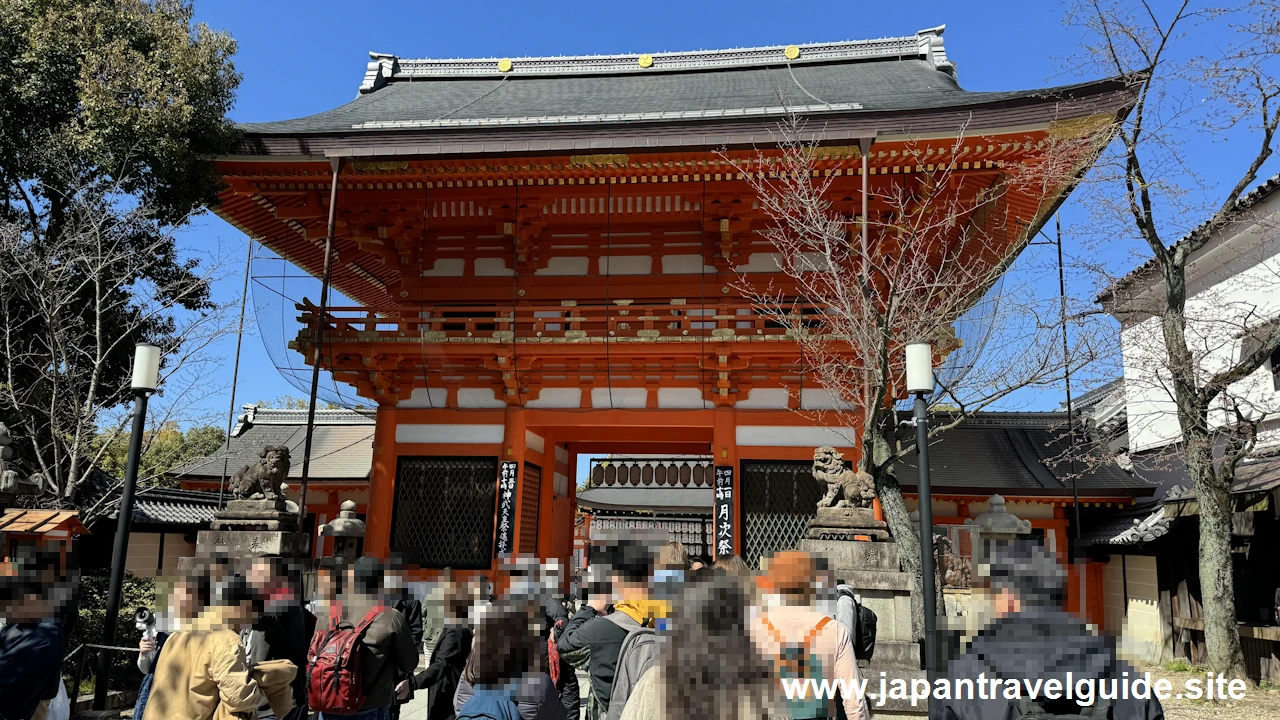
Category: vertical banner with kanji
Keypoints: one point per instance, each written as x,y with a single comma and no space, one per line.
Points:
724,510
507,507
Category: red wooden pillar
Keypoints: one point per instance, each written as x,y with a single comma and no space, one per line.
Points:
548,512
382,485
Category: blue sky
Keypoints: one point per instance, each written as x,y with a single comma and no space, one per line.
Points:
300,58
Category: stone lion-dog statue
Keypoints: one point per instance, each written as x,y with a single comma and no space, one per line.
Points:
262,481
845,487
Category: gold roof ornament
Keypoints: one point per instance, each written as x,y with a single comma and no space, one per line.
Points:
646,61
504,65
791,52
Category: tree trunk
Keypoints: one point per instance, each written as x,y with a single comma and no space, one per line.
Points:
903,531
1217,582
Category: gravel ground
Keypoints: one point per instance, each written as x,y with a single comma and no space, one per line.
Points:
1258,704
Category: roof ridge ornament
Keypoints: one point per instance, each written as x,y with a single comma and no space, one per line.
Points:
926,44
380,69
932,49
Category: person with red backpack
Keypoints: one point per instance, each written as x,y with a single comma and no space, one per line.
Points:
351,670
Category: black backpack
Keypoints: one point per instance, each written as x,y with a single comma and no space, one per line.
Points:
864,626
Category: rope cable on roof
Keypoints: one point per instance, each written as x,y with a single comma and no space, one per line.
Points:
802,87
474,100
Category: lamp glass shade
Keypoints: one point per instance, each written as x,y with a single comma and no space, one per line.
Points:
919,367
146,366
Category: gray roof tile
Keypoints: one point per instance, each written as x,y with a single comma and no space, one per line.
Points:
341,446
164,506
892,74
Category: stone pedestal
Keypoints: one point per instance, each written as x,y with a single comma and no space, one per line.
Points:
273,515
252,543
247,529
847,524
874,571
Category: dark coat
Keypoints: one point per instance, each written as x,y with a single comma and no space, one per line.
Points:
285,631
30,663
440,678
604,638
555,620
1035,645
411,609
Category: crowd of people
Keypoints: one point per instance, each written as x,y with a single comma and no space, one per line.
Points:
657,634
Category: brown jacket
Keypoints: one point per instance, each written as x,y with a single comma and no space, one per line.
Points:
201,671
388,647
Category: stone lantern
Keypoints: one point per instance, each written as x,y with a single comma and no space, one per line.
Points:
347,532
997,523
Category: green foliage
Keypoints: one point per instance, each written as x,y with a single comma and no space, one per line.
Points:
130,89
1180,665
137,592
165,449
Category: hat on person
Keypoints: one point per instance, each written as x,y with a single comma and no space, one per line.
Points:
788,573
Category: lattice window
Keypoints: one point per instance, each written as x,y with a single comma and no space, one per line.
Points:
531,488
778,501
444,509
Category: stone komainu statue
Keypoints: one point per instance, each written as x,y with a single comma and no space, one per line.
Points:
11,482
845,487
262,481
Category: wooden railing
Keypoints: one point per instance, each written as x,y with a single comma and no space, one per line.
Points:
544,323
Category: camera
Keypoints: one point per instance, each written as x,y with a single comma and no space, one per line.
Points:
145,621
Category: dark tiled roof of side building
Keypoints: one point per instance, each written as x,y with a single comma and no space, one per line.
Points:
1017,451
341,449
863,76
1250,199
165,506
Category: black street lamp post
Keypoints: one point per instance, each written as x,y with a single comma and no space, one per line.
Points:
920,383
146,372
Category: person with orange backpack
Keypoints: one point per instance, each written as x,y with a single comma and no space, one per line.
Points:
351,670
801,641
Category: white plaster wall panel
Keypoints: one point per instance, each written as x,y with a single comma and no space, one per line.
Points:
1026,510
493,267
1112,596
795,436
628,398
1231,285
560,265
680,398
764,399
562,454
478,398
819,399
1214,318
446,267
625,265
759,263
561,485
557,398
685,265
450,434
535,442
425,398
1141,637
143,554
